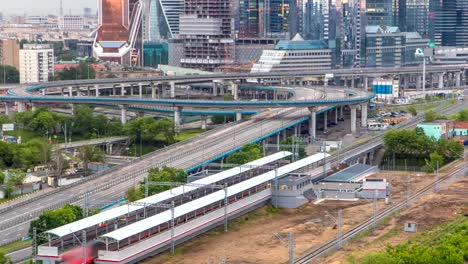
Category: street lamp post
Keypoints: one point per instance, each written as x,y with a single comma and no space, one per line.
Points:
420,53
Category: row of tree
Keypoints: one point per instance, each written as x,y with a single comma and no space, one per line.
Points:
415,145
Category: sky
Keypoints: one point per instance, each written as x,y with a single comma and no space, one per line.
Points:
44,7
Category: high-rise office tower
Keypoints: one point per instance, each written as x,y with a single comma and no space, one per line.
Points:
379,12
448,21
253,18
313,21
161,19
118,36
412,16
206,27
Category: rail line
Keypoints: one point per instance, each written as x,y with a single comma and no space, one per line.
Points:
331,245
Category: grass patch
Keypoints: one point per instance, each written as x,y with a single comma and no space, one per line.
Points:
393,232
15,245
188,134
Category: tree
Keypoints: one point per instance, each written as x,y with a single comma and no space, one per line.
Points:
2,177
432,116
412,110
434,162
59,163
82,120
44,122
134,194
43,149
50,219
164,174
248,153
4,119
408,143
89,154
294,144
462,115
83,71
11,74
15,177
228,97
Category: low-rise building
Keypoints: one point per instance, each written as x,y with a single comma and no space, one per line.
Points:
460,128
295,55
437,129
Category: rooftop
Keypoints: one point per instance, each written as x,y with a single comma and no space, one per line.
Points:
298,43
351,173
460,125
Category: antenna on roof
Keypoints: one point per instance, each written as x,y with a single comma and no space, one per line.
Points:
61,7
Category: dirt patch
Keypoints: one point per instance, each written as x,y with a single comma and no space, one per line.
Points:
251,239
427,213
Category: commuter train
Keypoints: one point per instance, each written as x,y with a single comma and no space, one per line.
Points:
76,255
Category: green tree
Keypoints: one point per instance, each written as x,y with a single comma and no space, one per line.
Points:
248,153
462,115
221,119
83,71
228,97
15,177
434,162
89,154
82,120
294,144
11,74
2,177
430,116
50,219
164,174
44,122
408,143
412,110
4,119
134,194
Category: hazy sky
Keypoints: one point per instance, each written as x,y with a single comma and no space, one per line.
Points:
43,7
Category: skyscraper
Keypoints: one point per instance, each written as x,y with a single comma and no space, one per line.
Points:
119,30
253,21
36,63
206,27
379,12
449,22
412,16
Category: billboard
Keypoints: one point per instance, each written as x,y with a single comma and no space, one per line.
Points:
8,127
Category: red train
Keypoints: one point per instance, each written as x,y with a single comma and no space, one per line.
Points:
76,255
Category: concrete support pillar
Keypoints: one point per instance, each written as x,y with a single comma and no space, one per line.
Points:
153,91
172,84
215,88
285,134
353,118
72,108
366,83
341,112
458,79
336,115
238,115
70,91
96,87
353,82
114,92
441,81
88,91
418,82
21,107
122,89
313,123
278,142
140,90
7,110
235,90
177,114
131,89
325,121
364,115
203,122
123,114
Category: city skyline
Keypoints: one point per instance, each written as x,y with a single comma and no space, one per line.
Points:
46,7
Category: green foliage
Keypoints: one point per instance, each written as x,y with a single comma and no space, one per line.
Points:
228,97
462,115
221,119
4,259
84,71
2,177
134,194
248,153
164,174
415,145
50,219
11,74
451,246
294,144
149,129
89,154
4,119
412,110
434,162
432,116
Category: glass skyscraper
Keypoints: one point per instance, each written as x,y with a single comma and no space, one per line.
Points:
449,22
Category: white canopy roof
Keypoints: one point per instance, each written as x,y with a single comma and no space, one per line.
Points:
155,220
160,197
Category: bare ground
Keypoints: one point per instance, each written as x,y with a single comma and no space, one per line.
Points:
251,239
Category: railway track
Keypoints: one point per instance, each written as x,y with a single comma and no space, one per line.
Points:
333,244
